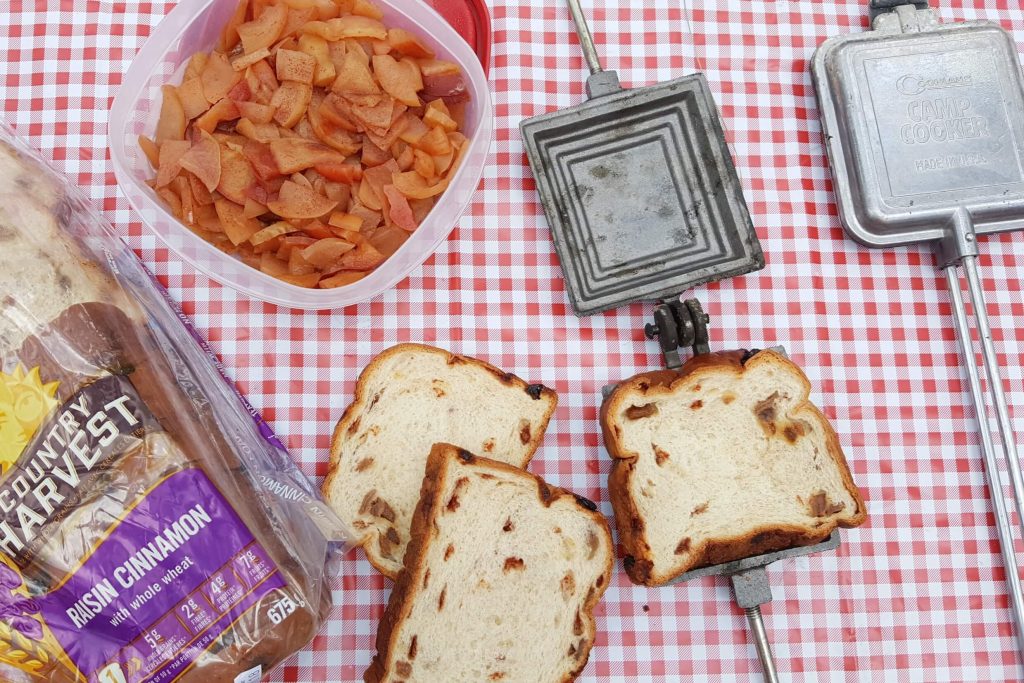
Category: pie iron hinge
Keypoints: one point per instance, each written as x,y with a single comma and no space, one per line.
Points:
679,324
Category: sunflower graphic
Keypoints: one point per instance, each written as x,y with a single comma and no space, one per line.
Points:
24,403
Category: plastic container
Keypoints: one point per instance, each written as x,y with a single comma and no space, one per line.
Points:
195,25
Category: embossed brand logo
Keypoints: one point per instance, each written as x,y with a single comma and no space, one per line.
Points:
915,84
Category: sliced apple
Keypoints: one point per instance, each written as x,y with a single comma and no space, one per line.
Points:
400,211
229,36
272,265
354,77
408,44
297,265
151,150
296,201
336,110
413,186
405,155
298,18
236,176
203,160
262,161
378,116
291,100
325,254
438,67
388,239
364,257
169,160
264,30
236,226
264,80
218,77
196,64
328,9
336,50
413,129
316,230
292,156
172,200
253,209
307,281
341,279
401,80
340,172
434,143
345,220
271,231
172,121
424,164
371,219
356,26
206,217
373,155
366,8
421,207
224,110
293,65
193,101
435,117
317,48
255,112
244,60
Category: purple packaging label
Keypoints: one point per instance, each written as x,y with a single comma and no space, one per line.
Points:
172,576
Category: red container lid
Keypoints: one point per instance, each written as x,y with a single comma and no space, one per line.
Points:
472,21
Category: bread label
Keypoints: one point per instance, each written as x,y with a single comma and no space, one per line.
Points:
176,571
171,574
51,454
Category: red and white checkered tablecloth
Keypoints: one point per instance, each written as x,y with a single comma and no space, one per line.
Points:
917,594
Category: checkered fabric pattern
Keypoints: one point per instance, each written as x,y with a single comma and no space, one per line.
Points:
917,594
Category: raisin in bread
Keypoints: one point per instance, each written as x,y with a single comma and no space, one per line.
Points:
722,459
406,400
500,579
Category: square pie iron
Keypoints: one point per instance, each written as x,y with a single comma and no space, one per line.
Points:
639,189
924,128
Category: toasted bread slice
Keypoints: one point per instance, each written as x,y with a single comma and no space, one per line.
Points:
500,579
406,400
723,459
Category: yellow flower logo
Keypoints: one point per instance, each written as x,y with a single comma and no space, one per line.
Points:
24,403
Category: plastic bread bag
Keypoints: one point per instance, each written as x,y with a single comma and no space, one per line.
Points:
151,527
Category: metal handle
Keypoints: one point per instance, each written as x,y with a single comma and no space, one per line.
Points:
586,40
764,648
1004,527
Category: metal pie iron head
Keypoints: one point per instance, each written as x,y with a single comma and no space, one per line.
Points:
924,127
639,189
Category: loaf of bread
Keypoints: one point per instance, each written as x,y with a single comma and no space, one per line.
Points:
722,459
121,493
500,579
406,400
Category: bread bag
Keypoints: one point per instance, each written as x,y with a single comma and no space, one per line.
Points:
151,527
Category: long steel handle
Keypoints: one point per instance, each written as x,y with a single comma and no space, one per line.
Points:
764,648
586,40
995,381
1004,527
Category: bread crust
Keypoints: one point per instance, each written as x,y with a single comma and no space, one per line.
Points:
538,392
638,560
407,589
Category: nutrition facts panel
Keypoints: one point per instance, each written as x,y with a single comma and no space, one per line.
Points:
199,618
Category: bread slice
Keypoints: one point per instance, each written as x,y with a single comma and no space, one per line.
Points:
500,579
406,400
723,459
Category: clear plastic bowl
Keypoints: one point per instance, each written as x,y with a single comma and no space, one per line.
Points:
195,25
